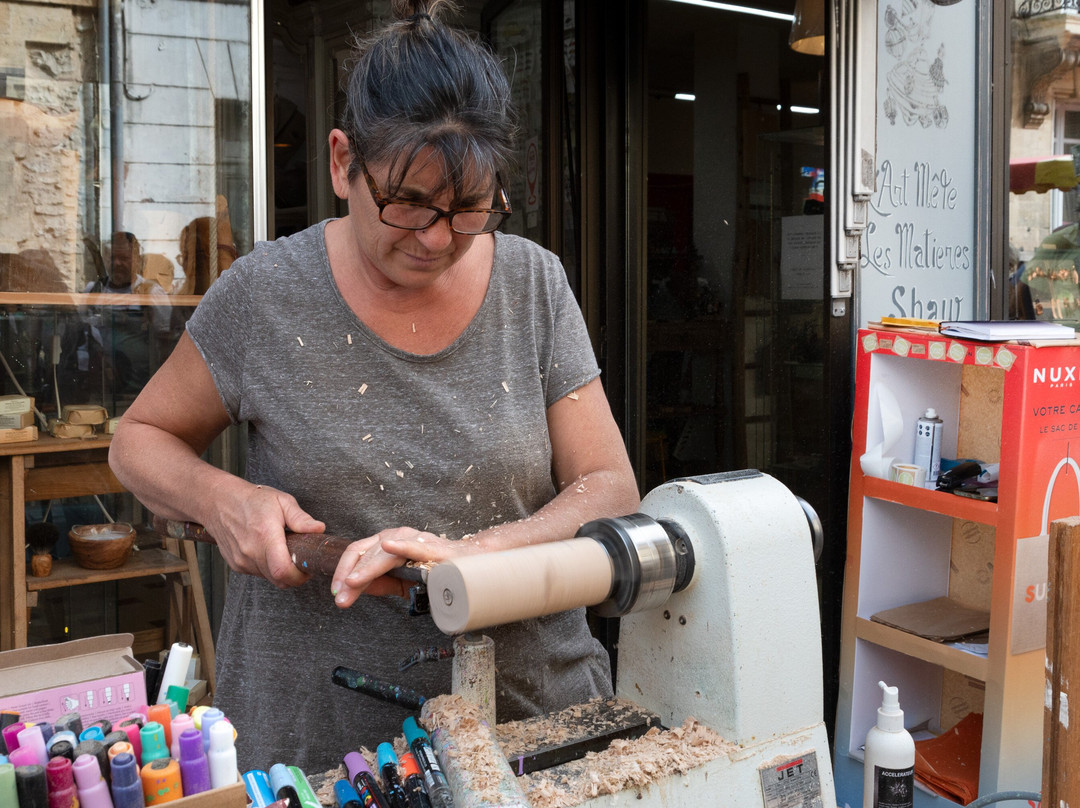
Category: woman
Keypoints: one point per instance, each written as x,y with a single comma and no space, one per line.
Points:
409,376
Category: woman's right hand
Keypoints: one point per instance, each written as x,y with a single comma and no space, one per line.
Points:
250,533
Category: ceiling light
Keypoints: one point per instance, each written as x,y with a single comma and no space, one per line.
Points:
685,96
808,27
758,12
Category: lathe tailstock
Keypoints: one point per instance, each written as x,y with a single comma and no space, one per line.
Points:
715,579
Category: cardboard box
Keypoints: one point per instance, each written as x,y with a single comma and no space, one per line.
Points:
96,677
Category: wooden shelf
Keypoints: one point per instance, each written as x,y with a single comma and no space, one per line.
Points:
94,299
48,444
918,647
927,499
65,572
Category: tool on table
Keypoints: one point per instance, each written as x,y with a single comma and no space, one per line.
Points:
314,553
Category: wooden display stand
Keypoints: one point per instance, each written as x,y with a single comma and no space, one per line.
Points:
54,468
1011,403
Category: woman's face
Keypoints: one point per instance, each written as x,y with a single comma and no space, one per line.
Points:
405,258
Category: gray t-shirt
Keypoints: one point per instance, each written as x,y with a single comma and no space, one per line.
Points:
368,437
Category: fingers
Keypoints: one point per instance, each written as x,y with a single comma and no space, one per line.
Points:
417,545
362,569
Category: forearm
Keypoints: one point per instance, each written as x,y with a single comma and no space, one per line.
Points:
597,494
167,475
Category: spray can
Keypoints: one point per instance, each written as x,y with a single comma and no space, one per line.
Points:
889,765
928,445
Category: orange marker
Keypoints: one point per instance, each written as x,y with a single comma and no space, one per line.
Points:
161,781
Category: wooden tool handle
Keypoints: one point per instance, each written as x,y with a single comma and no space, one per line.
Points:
314,553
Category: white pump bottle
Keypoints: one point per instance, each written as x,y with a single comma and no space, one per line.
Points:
889,766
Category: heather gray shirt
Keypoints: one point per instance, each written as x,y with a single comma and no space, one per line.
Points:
368,437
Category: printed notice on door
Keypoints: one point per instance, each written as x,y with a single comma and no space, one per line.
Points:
918,252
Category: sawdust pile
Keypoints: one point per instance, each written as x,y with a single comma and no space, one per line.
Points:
595,717
626,764
473,752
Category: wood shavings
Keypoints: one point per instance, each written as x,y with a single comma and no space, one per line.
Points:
573,396
468,498
475,763
626,764
362,389
348,338
506,387
399,473
366,437
300,341
414,328
410,465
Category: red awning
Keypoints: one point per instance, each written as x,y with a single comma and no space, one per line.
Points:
1041,174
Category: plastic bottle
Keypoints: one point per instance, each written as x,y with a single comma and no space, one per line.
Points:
928,445
889,767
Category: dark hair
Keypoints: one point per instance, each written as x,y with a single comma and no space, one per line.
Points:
419,84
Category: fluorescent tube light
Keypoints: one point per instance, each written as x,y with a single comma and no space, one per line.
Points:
758,12
685,96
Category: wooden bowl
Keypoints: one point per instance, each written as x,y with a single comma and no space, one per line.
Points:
101,547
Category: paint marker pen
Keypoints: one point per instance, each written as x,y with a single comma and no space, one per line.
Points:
62,744
32,739
92,733
413,782
152,736
161,781
9,794
178,725
307,795
10,734
131,728
89,782
162,715
346,795
209,718
283,785
388,771
95,749
32,788
127,790
257,785
72,722
438,788
194,767
222,755
119,749
23,756
363,780
61,783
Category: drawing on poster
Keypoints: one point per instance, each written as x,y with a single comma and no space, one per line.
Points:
914,83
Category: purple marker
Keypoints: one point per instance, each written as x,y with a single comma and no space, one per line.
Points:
363,780
92,788
209,718
194,767
127,790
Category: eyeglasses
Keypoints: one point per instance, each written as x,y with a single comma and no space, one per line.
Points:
417,216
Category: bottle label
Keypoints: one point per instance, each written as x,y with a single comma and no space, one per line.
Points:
894,788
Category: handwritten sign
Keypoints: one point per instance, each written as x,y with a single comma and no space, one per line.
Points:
918,252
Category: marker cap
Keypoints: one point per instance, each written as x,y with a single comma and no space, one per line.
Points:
31,787
32,739
58,774
72,722
257,785
413,731
117,749
409,766
345,794
92,733
154,747
281,778
355,763
125,769
86,771
386,755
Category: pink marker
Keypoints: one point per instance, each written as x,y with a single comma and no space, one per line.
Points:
92,788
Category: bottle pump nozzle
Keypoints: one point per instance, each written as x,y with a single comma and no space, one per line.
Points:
890,716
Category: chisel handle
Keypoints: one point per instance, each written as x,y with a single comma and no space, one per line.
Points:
314,553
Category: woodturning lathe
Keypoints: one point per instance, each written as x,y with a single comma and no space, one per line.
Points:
715,582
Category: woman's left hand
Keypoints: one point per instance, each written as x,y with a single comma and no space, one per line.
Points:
365,564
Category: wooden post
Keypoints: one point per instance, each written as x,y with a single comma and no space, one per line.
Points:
1061,736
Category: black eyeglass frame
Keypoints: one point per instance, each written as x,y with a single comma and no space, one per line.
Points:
381,202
